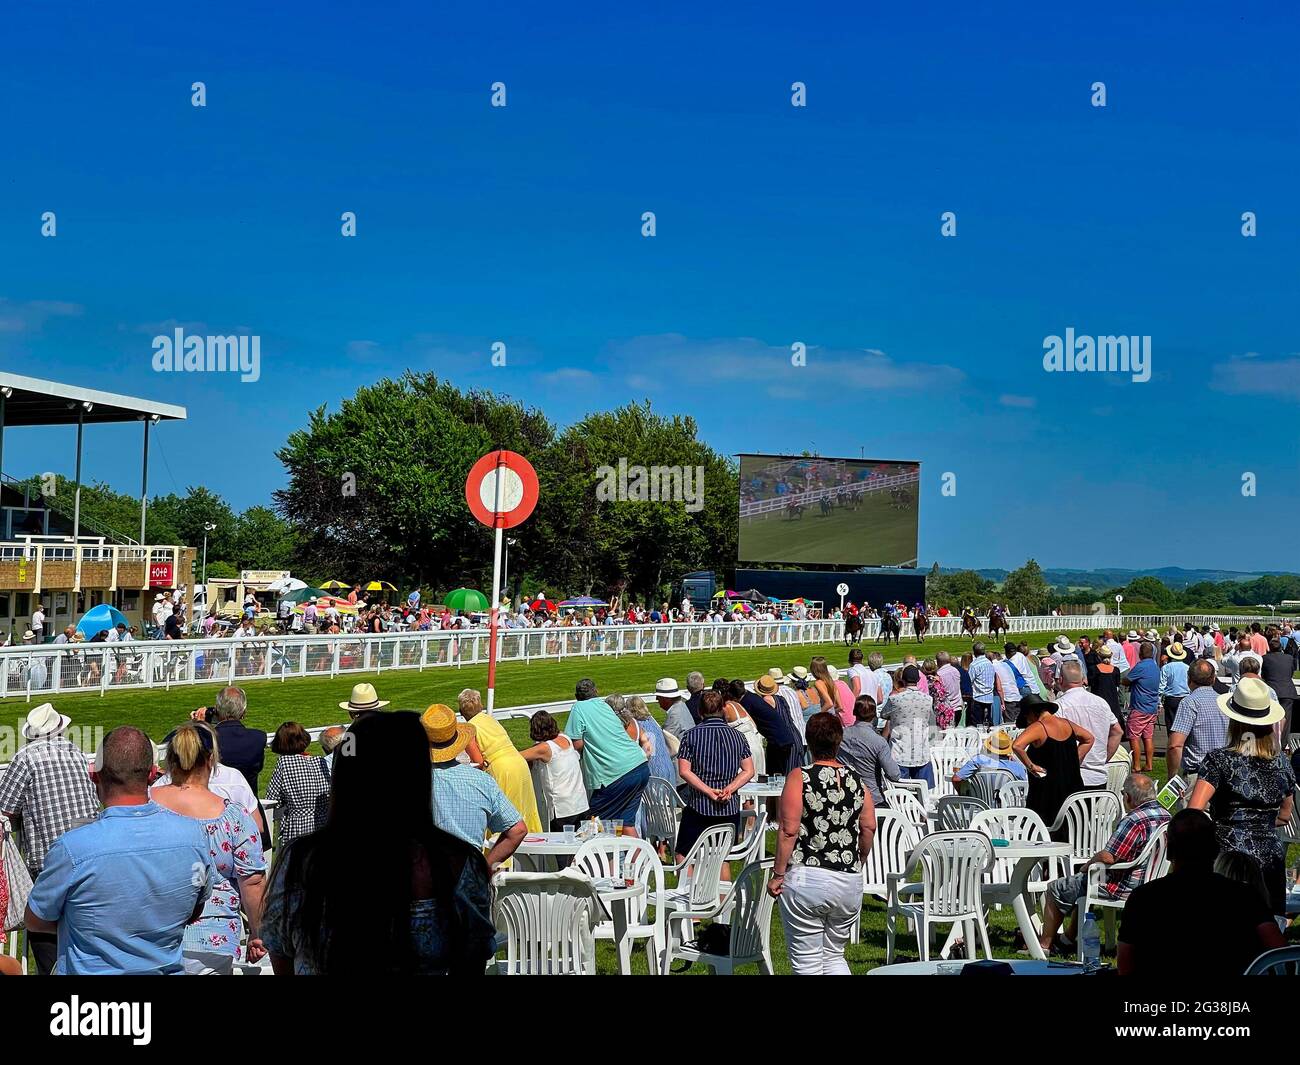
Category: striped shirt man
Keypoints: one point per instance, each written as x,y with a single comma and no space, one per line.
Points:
715,752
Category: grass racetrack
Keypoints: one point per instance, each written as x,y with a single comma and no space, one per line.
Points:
875,535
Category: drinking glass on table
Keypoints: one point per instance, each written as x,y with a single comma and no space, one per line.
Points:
616,827
570,833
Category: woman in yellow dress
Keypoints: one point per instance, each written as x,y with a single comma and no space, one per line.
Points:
503,759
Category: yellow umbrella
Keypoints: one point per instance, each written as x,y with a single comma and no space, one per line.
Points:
334,586
380,586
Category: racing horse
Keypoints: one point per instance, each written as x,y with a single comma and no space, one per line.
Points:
997,623
853,626
794,511
970,624
890,625
920,625
827,505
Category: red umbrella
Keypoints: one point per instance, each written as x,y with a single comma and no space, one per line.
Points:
542,604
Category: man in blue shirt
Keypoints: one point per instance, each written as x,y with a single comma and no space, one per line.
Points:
1173,682
983,687
120,891
1143,683
997,754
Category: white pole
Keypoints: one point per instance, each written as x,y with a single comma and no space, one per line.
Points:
496,583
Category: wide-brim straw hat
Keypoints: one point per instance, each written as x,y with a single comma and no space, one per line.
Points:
1063,645
999,744
1252,702
765,685
447,736
668,688
1176,651
44,720
799,673
364,697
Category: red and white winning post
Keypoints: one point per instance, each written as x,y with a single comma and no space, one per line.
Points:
501,491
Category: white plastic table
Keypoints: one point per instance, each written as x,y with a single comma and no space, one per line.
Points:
1019,966
615,895
541,845
768,790
1027,856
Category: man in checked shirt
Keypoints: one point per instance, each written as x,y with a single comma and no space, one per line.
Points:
48,787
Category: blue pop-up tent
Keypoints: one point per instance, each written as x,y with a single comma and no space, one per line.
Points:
98,618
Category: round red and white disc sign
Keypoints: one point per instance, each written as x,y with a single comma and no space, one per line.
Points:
518,489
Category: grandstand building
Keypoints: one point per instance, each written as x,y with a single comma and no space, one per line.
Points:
50,553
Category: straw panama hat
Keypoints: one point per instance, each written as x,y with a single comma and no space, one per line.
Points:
668,688
1063,645
364,697
1252,702
1103,651
799,673
998,743
765,685
447,736
776,674
1176,651
1132,634
44,720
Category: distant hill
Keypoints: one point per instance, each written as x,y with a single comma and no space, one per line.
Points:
1173,576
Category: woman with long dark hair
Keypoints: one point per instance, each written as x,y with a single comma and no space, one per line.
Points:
379,889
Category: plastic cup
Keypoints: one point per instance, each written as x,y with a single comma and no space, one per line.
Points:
616,827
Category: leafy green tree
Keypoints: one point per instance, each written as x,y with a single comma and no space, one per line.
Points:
1026,589
377,489
264,540
1152,589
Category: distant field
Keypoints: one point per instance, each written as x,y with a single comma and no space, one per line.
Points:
875,535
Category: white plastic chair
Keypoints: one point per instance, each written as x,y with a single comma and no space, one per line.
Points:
945,761
620,858
663,811
548,920
747,911
1281,961
950,891
894,841
1015,825
1089,817
984,784
1013,794
919,788
752,845
1154,863
908,807
955,812
696,897
1117,771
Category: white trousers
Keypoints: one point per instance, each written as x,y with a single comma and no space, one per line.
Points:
817,911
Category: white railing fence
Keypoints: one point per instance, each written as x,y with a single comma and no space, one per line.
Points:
27,671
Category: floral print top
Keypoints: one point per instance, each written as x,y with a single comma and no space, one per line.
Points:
828,829
236,850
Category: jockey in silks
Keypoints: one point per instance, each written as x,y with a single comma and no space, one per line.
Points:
850,609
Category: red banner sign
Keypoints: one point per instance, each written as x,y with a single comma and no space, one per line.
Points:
160,575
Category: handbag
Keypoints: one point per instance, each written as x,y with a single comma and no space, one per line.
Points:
18,883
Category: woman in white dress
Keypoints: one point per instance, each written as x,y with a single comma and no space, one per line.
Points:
739,719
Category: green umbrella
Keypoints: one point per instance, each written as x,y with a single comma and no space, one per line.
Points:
466,599
304,594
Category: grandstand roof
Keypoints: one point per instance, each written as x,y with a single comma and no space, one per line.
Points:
37,402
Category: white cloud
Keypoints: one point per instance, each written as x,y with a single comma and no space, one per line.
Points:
361,350
1024,402
567,375
28,316
1253,375
747,359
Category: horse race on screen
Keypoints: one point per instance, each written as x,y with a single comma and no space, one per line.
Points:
825,511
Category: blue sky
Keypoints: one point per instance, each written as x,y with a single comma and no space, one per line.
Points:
776,225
